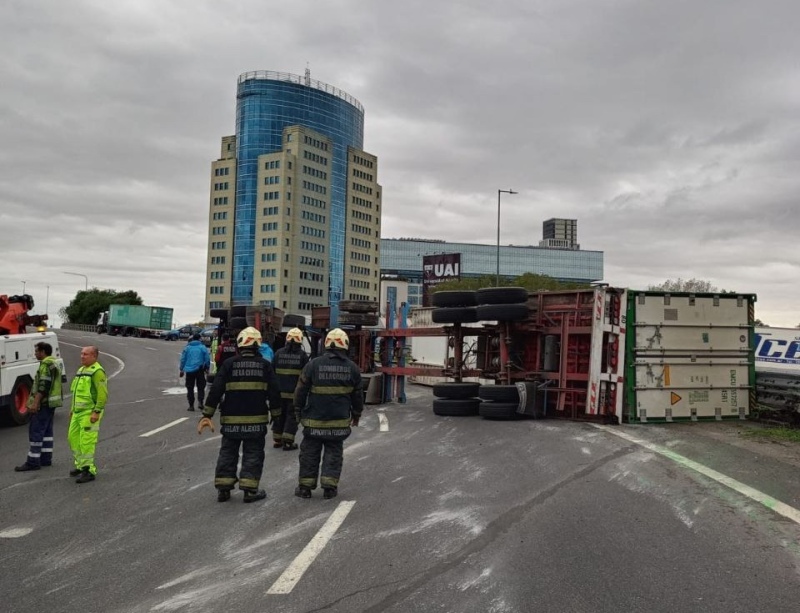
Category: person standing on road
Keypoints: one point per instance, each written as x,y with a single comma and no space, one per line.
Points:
242,388
195,363
289,363
329,399
225,350
89,395
42,406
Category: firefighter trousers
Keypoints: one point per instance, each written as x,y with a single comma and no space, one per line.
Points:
82,437
331,452
285,428
40,435
252,463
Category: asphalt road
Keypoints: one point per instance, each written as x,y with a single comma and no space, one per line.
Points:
434,514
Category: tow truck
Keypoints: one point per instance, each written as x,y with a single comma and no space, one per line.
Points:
18,364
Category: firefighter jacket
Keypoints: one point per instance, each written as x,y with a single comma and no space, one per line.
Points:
47,382
289,363
328,395
242,387
89,389
227,349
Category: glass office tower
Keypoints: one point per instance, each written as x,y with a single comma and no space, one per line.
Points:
266,103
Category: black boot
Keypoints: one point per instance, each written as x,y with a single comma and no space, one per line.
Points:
251,496
329,492
22,468
301,491
223,495
85,476
287,446
75,472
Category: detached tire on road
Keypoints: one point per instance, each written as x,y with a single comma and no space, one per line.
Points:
454,298
502,312
454,315
499,393
502,295
499,410
456,391
452,407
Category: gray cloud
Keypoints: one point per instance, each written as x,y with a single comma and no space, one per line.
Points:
669,130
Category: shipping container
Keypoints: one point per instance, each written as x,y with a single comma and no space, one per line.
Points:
135,320
689,356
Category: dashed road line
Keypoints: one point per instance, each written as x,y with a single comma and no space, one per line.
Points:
771,503
164,427
292,575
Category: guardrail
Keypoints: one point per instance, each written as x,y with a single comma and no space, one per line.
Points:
79,327
778,391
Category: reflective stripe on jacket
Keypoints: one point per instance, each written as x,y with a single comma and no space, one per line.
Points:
89,389
329,392
289,363
48,383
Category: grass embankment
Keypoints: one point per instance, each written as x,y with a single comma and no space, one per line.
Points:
781,434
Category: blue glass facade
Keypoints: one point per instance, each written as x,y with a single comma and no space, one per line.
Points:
404,258
266,103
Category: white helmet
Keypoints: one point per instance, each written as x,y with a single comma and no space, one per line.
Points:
248,337
337,339
295,335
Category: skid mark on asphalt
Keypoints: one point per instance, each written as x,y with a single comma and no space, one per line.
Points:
290,577
771,503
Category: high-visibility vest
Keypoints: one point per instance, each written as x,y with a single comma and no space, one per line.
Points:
85,395
48,370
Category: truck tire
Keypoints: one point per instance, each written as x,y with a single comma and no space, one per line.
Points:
499,393
294,321
16,413
358,306
358,319
239,311
499,410
454,315
502,295
218,313
454,298
467,389
502,312
451,407
238,323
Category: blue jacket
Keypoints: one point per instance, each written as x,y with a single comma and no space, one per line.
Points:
195,356
266,352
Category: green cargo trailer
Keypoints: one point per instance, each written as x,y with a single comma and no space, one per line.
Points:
689,357
135,320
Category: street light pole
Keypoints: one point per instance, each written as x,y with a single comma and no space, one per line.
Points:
77,274
500,191
23,286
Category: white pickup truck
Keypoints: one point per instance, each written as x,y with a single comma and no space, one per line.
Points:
18,366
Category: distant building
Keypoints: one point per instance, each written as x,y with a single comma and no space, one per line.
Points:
560,234
402,258
295,204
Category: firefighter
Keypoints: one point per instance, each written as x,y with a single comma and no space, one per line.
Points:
289,363
247,382
225,350
329,400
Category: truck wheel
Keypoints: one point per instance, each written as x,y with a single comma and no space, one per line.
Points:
17,413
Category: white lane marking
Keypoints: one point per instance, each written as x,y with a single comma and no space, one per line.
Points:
203,442
15,533
151,348
162,428
779,507
384,421
290,577
120,362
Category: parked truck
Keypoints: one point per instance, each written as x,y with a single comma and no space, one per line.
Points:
134,320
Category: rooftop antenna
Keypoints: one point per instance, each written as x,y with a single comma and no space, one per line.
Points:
308,76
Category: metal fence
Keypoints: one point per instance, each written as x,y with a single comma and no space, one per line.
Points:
778,391
79,327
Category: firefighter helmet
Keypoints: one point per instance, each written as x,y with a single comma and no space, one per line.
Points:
248,337
295,335
337,339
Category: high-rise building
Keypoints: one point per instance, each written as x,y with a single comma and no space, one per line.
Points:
560,234
295,204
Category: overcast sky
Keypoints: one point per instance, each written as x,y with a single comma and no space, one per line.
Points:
670,130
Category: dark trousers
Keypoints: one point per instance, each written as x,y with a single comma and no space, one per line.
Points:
286,427
228,460
40,435
332,455
198,379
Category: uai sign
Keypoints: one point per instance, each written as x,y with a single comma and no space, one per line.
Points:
438,268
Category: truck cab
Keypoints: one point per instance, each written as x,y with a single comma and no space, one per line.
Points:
18,366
